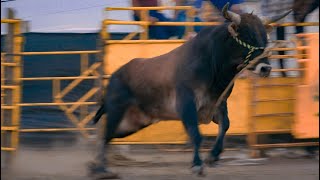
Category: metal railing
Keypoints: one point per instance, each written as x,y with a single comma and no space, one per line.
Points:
87,73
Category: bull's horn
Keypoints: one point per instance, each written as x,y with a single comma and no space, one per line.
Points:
234,17
269,20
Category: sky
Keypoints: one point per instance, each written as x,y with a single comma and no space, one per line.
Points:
80,15
67,15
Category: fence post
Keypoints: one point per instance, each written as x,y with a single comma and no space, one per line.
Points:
12,75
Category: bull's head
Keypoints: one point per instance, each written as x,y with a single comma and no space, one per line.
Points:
251,33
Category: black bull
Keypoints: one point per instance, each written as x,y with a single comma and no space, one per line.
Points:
183,84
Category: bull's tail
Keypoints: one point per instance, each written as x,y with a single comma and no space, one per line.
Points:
99,113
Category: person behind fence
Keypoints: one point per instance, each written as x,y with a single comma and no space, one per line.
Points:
155,32
271,8
301,9
181,16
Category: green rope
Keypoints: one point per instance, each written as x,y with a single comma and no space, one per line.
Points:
248,46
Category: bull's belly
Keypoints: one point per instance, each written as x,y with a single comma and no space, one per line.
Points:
136,118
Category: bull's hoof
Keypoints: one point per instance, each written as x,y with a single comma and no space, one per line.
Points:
198,170
212,161
98,171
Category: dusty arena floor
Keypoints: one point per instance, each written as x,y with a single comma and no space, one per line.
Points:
157,163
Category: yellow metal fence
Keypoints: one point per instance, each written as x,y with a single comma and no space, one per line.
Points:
12,91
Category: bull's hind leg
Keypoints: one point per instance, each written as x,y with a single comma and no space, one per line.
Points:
188,113
223,120
117,101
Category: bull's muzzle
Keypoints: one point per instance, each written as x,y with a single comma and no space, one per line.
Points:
263,69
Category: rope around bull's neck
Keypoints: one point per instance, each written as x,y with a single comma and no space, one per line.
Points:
266,53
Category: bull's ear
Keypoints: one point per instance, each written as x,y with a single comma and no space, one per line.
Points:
269,29
232,28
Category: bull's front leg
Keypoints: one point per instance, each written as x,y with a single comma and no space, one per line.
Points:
223,120
186,108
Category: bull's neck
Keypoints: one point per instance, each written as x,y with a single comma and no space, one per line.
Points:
224,53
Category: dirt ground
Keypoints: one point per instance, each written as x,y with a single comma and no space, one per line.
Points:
158,163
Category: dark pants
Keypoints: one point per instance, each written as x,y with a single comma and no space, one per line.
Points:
280,36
